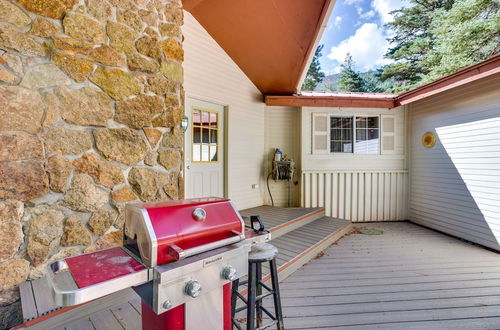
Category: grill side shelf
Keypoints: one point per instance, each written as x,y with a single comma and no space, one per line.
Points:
71,288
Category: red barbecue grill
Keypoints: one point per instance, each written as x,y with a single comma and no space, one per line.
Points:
179,256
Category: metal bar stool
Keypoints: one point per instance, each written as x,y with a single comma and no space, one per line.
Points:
253,304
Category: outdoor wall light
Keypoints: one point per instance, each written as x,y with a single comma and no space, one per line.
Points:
184,123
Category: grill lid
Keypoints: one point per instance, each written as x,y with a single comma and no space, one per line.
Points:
162,232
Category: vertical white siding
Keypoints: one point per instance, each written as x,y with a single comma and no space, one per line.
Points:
455,186
354,186
359,196
282,131
211,75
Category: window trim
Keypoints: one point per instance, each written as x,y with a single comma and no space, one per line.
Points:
354,134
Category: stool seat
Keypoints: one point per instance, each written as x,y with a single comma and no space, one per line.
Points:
262,252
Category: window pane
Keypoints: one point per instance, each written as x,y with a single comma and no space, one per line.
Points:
360,122
346,122
196,117
335,122
336,146
196,134
213,152
347,147
204,153
336,134
347,135
213,136
204,118
205,135
360,134
213,120
372,134
372,122
341,134
196,152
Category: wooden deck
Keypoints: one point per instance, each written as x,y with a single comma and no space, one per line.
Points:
407,278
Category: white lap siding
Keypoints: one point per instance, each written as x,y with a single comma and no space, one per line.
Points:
211,75
455,186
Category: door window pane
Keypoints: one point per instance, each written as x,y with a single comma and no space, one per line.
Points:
204,153
213,152
205,133
196,152
213,120
196,117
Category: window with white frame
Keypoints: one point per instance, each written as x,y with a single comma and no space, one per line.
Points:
357,134
352,134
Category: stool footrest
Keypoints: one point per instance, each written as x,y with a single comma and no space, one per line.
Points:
239,309
267,325
262,296
265,286
268,313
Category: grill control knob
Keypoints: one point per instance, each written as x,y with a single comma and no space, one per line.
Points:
199,214
229,273
193,289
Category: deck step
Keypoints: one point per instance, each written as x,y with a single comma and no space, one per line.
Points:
298,247
280,221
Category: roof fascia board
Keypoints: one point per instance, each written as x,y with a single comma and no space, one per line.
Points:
464,76
333,101
320,29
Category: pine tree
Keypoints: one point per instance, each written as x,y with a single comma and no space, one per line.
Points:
468,33
413,40
314,74
350,80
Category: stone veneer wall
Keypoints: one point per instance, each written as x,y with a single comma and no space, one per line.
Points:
91,101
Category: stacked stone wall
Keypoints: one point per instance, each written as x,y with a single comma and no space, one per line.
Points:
91,101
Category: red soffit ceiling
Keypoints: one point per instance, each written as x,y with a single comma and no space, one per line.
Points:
270,40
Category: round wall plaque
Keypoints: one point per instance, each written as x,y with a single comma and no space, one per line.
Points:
429,139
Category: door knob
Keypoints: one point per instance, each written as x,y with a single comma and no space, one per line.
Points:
188,167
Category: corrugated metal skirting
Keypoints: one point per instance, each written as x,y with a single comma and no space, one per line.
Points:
358,195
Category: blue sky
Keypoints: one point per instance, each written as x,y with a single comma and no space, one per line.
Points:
357,27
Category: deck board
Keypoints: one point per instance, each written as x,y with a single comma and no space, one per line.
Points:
275,216
408,277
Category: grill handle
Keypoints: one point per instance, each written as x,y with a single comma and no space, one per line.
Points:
178,253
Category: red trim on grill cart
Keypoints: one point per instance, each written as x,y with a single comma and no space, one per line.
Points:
111,263
227,291
170,320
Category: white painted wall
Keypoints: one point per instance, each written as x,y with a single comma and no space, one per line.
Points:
354,186
282,131
455,186
211,75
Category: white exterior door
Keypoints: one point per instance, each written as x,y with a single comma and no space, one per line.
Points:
204,149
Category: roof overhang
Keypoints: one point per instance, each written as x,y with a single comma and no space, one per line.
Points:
319,99
272,41
488,68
